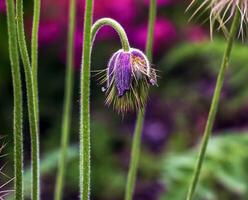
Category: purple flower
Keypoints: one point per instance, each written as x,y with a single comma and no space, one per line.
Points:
48,31
128,77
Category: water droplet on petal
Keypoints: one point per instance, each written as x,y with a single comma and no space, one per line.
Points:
104,89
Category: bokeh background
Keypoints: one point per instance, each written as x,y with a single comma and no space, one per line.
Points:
176,114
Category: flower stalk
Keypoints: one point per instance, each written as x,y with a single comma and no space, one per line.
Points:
31,98
85,90
214,104
135,153
66,121
18,109
84,131
116,26
126,66
34,52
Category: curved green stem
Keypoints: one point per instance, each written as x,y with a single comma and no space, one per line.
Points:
214,107
84,165
34,52
67,104
33,123
135,154
89,36
115,25
17,89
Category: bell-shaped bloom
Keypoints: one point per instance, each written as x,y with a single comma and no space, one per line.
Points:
129,75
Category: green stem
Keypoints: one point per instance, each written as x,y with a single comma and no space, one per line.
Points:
214,106
151,22
115,25
135,154
17,88
67,103
33,123
34,52
85,90
84,165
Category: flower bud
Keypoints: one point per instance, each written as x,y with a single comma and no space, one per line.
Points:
129,75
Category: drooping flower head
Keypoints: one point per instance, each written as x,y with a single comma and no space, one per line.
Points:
129,75
222,11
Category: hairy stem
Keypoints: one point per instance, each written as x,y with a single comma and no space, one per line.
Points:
18,110
115,25
34,52
84,165
33,123
85,90
135,154
151,22
66,121
214,106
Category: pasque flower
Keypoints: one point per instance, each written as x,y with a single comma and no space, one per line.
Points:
129,75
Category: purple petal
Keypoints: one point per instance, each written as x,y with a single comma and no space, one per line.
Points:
123,73
140,54
143,58
111,65
152,77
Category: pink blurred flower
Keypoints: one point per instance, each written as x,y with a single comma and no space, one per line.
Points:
196,34
56,9
164,35
56,12
123,11
160,2
53,21
48,31
2,6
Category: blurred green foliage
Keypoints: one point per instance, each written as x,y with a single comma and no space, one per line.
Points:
224,175
104,167
202,60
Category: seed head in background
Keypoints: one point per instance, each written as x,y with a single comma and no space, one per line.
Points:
128,77
5,180
222,11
